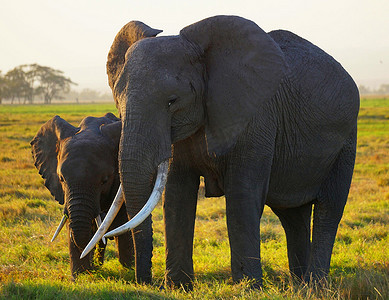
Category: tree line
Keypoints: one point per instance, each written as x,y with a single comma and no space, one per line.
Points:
25,82
382,90
88,95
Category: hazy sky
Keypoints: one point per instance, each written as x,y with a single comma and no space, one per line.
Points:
75,35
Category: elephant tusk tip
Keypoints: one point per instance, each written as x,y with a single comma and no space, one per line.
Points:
84,253
108,235
53,238
116,232
59,228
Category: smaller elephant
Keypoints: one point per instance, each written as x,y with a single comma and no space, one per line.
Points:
80,169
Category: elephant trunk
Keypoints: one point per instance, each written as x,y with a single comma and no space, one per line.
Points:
81,214
136,185
142,149
136,175
139,155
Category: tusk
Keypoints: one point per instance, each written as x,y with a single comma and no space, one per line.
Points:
98,224
112,212
60,226
159,186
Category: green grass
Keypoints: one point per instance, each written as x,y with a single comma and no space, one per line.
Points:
33,268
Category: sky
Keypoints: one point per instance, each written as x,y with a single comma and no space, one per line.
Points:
75,35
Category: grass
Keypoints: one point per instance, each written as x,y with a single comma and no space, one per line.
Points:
33,268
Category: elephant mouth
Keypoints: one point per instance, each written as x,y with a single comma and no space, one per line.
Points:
154,198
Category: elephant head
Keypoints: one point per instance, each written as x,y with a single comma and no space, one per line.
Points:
79,166
212,77
214,74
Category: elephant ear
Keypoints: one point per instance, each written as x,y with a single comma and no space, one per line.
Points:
111,116
244,68
113,132
128,35
45,147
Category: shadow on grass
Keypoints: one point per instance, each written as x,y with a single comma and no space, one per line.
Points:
377,269
364,282
270,274
219,275
373,117
345,283
56,291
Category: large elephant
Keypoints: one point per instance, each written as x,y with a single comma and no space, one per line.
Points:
265,118
80,169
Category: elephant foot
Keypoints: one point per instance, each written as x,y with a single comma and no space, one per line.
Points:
247,269
180,279
255,284
187,286
127,264
316,277
143,277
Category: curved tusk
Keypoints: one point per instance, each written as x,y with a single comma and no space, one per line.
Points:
98,224
59,228
159,186
112,212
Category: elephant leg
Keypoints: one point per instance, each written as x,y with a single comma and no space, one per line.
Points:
98,258
243,219
179,215
125,248
245,198
297,226
328,211
246,185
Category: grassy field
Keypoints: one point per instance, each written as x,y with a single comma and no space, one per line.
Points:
33,268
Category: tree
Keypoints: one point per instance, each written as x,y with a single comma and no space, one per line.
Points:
3,88
17,84
31,73
27,81
52,83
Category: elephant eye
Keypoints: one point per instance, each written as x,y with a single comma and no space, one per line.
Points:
172,99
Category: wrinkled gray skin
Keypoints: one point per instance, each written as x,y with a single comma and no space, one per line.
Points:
266,118
80,169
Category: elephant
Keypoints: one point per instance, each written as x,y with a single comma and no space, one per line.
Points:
80,169
264,118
